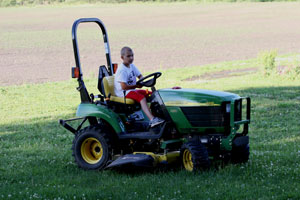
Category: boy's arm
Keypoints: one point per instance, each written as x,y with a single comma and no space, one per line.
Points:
124,86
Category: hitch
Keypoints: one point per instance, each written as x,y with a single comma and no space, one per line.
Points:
70,128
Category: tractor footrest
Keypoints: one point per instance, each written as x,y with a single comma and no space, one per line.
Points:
153,133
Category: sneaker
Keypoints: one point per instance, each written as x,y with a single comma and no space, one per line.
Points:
156,121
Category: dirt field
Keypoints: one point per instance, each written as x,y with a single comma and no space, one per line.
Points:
35,43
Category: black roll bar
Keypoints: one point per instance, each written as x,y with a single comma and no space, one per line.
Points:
105,38
82,89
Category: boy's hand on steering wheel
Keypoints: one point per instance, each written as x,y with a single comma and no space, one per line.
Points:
138,86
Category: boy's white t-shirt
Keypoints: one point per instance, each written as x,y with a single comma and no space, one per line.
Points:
127,75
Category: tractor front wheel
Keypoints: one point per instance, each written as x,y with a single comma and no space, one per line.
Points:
240,154
91,148
194,156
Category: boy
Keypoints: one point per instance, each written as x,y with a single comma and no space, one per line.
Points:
125,79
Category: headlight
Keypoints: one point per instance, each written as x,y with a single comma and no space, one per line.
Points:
228,107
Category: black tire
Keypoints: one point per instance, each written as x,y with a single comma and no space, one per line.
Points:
194,156
92,148
240,154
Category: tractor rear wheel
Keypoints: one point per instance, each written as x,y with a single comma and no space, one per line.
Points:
194,156
91,148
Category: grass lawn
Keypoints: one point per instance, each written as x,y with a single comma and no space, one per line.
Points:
36,159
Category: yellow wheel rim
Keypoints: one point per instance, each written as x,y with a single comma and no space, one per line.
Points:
187,160
91,150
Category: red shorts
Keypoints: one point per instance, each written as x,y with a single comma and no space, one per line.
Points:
138,95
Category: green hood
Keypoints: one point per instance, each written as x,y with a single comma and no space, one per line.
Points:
194,97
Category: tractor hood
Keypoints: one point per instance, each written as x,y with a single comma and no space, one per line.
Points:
194,97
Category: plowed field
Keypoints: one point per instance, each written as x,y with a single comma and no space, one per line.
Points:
36,46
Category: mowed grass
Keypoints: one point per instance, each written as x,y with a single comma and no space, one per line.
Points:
36,159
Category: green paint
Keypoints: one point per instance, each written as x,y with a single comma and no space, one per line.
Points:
194,97
99,111
183,125
174,99
179,119
164,144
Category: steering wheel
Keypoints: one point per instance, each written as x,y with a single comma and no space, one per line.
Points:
149,80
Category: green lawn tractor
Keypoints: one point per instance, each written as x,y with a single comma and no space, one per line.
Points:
201,126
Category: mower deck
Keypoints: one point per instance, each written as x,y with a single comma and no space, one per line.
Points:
144,159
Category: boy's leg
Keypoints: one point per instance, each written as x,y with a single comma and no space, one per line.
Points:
146,109
145,93
139,97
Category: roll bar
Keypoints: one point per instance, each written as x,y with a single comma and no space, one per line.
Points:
105,38
82,89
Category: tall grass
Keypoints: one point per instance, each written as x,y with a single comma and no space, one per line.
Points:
267,60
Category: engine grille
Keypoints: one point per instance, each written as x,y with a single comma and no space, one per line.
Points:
206,116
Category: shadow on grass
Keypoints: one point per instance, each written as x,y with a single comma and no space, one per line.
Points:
42,141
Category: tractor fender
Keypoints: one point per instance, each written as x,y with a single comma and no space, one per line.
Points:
100,111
